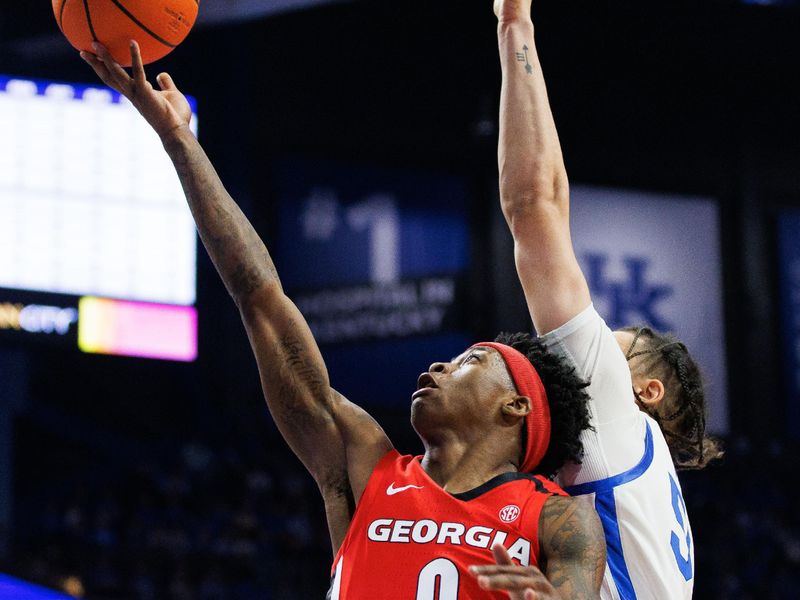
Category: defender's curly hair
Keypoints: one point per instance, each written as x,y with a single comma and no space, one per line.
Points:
566,395
681,414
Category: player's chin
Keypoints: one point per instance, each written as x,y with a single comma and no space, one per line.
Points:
425,403
428,411
424,410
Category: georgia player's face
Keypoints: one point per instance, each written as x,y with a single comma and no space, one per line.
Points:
465,392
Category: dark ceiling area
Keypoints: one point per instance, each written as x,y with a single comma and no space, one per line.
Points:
664,94
683,96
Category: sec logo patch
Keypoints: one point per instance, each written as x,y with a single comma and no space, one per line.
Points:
509,514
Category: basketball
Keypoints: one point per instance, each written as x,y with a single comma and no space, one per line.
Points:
157,25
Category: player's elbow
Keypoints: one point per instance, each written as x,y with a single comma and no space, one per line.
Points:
257,302
522,202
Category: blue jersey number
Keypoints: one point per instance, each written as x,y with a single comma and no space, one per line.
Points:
679,506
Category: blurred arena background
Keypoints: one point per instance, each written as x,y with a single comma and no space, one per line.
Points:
360,138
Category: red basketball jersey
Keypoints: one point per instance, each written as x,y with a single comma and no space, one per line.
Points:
411,540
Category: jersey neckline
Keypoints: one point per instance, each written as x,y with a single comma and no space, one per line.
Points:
494,482
485,487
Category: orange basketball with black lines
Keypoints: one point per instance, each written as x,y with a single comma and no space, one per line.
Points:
157,25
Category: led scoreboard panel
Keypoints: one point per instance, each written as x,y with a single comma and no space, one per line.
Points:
97,245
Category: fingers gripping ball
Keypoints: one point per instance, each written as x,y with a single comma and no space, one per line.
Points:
158,25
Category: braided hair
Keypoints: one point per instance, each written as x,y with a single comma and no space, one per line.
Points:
681,413
566,396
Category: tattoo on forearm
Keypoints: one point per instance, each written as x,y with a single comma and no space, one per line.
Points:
575,548
523,57
301,379
246,278
234,246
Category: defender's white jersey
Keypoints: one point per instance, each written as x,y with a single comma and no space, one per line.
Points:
627,473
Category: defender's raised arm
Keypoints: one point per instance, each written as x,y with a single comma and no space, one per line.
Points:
646,400
534,190
337,441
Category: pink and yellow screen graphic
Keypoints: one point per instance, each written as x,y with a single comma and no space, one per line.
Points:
137,329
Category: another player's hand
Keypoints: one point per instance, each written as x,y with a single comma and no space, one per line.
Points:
512,10
165,110
521,583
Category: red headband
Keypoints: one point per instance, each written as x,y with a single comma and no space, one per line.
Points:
528,383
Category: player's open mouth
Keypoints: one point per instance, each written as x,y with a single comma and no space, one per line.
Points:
421,392
425,383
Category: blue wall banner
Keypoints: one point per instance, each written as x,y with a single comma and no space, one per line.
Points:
789,270
376,260
655,259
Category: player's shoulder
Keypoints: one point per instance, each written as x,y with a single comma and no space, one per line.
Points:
586,319
558,509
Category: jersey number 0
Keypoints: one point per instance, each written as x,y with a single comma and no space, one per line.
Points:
438,580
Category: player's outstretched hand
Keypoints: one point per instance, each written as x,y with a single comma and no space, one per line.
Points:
521,583
165,110
512,10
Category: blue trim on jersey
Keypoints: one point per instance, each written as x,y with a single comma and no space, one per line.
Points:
608,484
606,506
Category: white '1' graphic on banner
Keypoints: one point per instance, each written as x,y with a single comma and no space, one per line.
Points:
377,215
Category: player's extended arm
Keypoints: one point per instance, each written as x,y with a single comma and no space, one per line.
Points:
572,554
534,191
337,441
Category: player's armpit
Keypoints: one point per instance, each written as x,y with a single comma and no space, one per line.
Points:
337,494
349,464
572,547
365,442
